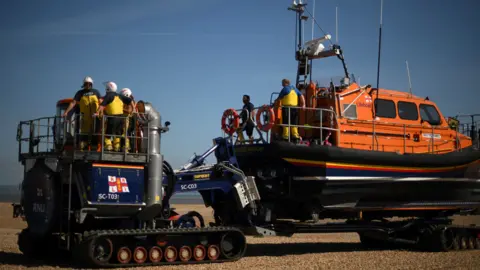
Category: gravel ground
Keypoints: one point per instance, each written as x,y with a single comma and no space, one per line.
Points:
306,251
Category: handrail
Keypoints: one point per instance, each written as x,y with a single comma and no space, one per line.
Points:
51,135
433,147
321,127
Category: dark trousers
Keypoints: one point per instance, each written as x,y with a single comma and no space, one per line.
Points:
248,128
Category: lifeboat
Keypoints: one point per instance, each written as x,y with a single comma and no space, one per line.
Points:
361,148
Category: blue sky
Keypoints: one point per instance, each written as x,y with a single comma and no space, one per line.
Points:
193,59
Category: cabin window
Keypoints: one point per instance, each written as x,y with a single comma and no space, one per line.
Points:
407,110
429,114
385,108
351,113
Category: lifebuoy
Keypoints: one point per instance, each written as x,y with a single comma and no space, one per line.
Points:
236,121
271,118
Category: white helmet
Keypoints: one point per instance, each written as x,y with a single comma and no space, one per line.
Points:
126,92
111,87
88,79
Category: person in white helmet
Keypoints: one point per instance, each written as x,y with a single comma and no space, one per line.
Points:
88,100
128,93
112,105
129,111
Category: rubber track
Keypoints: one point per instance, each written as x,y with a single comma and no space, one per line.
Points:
90,235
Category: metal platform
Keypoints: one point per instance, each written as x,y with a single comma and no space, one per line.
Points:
53,137
92,156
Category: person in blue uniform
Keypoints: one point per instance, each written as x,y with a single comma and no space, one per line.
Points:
87,100
113,105
247,119
289,97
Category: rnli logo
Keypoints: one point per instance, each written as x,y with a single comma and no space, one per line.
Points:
117,184
368,99
367,103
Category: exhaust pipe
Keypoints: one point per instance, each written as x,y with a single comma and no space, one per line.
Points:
151,120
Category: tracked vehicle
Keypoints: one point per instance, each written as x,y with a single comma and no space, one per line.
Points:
112,208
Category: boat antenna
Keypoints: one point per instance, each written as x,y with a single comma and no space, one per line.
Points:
313,27
375,103
319,27
379,49
409,80
336,25
313,17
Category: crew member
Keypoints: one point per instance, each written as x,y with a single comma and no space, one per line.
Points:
88,100
112,105
129,111
289,97
247,119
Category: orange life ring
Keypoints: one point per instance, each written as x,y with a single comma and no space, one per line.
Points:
271,118
236,121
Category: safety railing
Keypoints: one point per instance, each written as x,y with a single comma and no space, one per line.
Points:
239,136
472,130
319,113
40,135
437,143
327,123
83,135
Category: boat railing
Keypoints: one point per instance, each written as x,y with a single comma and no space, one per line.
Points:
62,137
321,113
239,135
472,130
328,121
428,131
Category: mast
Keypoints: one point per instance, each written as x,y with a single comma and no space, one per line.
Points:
303,66
313,27
313,49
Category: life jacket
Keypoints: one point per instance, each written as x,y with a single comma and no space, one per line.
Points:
291,99
89,103
115,107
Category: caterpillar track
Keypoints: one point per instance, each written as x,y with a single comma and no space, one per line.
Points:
429,237
151,247
446,238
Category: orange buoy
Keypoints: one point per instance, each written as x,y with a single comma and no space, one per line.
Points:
271,118
236,121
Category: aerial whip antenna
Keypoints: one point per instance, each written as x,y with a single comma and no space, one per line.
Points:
313,18
378,73
379,46
379,50
313,27
336,25
409,80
